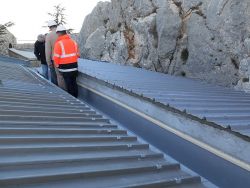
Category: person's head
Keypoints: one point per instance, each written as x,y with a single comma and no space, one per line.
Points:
52,25
61,30
41,38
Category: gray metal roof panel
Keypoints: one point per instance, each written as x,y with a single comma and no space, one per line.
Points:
193,96
50,139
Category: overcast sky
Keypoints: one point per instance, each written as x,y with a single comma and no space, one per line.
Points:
30,15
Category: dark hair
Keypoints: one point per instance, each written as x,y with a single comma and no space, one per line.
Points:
53,26
62,32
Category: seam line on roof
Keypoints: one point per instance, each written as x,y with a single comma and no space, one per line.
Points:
203,145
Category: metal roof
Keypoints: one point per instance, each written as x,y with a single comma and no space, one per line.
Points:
223,106
50,139
13,60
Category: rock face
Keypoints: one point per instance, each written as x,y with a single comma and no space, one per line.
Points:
204,39
7,40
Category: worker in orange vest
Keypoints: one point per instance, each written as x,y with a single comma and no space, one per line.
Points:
66,54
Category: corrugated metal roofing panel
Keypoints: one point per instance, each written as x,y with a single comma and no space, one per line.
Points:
50,139
223,106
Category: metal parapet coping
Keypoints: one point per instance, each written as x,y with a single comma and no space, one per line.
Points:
97,81
187,137
97,92
168,107
119,82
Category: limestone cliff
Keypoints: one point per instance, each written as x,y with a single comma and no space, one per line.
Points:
204,39
7,40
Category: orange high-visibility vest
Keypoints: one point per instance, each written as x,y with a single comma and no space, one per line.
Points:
66,54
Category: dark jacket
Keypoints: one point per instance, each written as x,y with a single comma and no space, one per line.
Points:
39,52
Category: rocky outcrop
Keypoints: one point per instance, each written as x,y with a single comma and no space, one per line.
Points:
204,39
6,41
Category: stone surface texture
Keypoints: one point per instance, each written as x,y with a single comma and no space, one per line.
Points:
6,39
202,39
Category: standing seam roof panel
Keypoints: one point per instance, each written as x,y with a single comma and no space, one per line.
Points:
50,139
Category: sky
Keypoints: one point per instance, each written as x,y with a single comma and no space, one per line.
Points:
30,16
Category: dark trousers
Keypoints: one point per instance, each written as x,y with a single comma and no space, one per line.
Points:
70,81
53,75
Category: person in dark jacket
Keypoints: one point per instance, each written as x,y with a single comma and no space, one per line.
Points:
39,52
